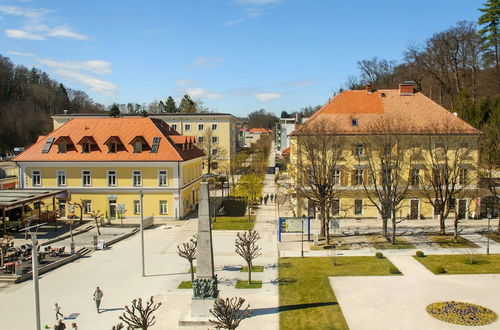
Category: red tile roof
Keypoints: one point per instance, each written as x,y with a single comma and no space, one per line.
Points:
259,131
416,113
126,129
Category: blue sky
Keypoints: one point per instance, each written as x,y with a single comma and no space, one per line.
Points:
236,56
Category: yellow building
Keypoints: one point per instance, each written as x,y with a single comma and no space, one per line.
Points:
8,175
106,162
422,126
223,128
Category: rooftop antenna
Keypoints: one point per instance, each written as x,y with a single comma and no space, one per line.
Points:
33,231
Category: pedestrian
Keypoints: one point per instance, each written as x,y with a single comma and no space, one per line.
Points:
74,326
272,198
57,309
98,297
260,200
265,199
60,325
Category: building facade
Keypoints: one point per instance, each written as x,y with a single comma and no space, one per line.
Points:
8,175
104,164
430,137
223,132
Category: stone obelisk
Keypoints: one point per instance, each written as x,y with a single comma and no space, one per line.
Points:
205,289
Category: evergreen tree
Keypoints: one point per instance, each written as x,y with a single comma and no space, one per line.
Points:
284,114
489,32
187,105
114,110
170,106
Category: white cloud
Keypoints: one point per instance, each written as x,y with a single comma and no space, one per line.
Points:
95,66
24,12
42,32
20,53
94,84
206,62
266,97
183,82
199,92
253,9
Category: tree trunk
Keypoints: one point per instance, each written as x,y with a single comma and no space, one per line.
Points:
498,229
442,228
97,226
192,270
393,236
327,228
384,226
323,228
249,272
81,215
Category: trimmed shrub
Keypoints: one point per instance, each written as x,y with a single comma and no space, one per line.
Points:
419,254
394,270
440,270
379,255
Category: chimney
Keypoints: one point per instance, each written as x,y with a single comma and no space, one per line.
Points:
406,88
368,89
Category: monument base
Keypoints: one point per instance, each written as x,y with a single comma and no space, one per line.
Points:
200,313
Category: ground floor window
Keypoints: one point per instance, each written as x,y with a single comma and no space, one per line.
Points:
137,207
335,206
163,207
87,206
358,206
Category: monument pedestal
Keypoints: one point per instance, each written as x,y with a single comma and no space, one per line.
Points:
202,307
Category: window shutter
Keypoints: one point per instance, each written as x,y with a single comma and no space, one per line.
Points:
353,177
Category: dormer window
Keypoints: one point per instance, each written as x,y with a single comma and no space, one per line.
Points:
62,147
85,147
112,147
137,146
354,122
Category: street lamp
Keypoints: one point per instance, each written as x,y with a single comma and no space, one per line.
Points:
488,236
32,230
302,236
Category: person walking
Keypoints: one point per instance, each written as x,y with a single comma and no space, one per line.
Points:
97,298
265,199
60,325
57,309
74,326
272,198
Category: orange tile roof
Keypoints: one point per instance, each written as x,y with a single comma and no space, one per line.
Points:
126,129
417,114
259,131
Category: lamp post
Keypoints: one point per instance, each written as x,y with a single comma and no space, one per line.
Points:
488,236
34,265
302,236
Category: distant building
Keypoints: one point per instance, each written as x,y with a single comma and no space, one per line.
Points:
8,175
254,134
283,129
105,162
224,133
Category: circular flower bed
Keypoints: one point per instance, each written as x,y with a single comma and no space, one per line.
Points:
461,313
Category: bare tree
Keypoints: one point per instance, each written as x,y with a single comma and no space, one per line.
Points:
96,214
188,252
317,168
81,205
228,313
118,326
140,316
210,145
247,248
384,167
448,170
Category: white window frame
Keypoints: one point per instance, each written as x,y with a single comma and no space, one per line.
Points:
359,177
338,199
463,179
336,177
108,176
38,175
87,209
215,139
360,149
214,127
214,151
61,174
160,178
89,176
201,139
415,174
201,127
163,207
137,147
174,127
358,199
134,176
187,127
137,207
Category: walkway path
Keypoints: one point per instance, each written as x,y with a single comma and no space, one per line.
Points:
398,302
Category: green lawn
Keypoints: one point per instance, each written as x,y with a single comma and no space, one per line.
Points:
185,285
244,285
258,269
448,242
233,223
306,297
458,263
494,236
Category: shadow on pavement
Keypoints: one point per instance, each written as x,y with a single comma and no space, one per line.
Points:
104,310
274,310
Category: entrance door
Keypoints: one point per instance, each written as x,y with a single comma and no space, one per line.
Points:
414,203
62,208
112,209
462,208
